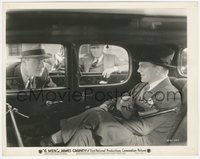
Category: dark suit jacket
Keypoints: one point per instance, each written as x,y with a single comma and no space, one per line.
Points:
109,61
111,130
14,78
154,130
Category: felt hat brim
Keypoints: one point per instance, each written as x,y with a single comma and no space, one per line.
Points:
156,63
156,54
45,56
164,65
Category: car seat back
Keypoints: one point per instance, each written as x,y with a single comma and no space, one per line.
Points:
178,133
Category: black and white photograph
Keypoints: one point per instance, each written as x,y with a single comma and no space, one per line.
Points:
99,80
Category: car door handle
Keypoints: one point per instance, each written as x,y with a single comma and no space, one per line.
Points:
49,102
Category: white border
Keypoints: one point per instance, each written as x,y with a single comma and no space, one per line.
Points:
192,60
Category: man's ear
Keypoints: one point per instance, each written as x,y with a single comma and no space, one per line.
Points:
158,70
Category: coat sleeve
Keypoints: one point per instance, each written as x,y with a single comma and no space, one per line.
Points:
81,65
112,102
46,80
142,127
122,65
145,126
109,103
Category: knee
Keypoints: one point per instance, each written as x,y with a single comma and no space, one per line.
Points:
93,112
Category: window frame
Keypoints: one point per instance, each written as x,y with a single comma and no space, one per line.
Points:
130,63
179,61
65,85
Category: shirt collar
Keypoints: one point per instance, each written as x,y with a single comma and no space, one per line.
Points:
154,84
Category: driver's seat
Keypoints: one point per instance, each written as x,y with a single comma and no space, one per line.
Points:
178,133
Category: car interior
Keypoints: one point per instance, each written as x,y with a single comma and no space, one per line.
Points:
67,35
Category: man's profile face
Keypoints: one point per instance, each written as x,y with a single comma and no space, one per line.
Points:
34,66
148,72
96,50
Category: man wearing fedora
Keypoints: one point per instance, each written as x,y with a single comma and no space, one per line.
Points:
30,72
100,62
122,121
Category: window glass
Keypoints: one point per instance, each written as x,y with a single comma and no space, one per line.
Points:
101,64
183,66
31,66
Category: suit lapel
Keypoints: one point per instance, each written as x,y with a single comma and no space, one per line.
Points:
88,64
160,86
157,94
136,90
149,94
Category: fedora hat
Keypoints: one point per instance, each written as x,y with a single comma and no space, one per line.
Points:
33,51
156,54
96,45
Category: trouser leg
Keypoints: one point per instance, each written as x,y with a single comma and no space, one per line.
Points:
103,125
82,137
71,125
57,137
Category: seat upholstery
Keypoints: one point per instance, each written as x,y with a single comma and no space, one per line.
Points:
178,134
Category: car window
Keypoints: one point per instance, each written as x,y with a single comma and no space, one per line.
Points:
183,62
24,60
102,64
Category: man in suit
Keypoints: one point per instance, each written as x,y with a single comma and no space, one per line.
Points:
100,62
143,116
30,72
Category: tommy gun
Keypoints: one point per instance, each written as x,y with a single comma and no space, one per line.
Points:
159,113
15,110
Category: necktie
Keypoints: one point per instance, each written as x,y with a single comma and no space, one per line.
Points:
31,83
28,84
95,62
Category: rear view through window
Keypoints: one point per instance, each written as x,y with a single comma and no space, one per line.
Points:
35,65
102,64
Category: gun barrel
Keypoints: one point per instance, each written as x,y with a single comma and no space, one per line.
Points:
158,113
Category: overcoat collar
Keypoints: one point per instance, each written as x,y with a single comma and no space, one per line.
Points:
136,91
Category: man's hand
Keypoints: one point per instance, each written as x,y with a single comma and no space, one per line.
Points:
44,73
107,72
104,107
125,106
